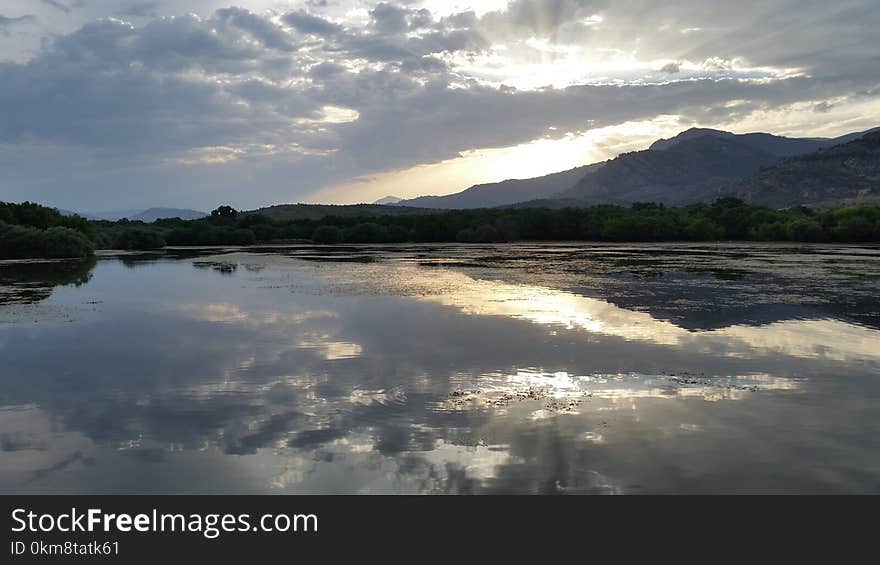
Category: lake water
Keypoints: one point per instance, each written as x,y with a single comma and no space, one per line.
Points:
558,368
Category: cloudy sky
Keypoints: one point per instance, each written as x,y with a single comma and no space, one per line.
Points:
109,104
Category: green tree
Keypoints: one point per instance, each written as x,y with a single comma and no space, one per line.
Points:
703,229
140,239
774,231
21,242
224,212
367,232
67,243
326,234
265,232
806,230
854,228
486,233
397,234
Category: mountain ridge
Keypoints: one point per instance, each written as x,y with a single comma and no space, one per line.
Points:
506,192
147,215
848,173
691,170
697,165
388,200
694,165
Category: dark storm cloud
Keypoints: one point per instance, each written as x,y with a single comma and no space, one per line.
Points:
123,96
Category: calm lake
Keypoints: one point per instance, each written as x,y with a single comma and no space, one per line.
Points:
555,368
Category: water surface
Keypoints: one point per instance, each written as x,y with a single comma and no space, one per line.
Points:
557,368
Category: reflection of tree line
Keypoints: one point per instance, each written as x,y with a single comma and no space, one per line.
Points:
29,282
33,282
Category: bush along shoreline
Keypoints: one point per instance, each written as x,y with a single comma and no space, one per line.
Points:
23,242
30,230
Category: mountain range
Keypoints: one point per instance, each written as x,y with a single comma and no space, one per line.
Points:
505,192
388,200
148,216
697,165
843,174
690,170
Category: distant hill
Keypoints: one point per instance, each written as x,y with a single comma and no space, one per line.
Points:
152,214
289,212
109,215
698,165
691,170
64,212
551,203
388,200
843,174
505,192
695,165
148,216
779,146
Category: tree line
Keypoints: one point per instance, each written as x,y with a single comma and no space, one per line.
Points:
31,230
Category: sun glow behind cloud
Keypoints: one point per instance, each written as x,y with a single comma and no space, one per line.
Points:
554,153
550,154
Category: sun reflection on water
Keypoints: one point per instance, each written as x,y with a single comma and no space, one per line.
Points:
819,338
562,393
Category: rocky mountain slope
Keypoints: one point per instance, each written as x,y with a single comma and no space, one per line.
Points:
691,170
843,174
698,165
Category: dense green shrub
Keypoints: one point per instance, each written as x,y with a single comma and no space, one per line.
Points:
27,225
206,234
703,229
806,230
854,228
397,234
726,219
34,215
265,232
138,239
20,242
327,234
773,231
66,242
367,232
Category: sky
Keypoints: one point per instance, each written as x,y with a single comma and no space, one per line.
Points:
123,104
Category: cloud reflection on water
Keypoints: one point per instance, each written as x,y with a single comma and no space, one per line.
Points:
301,377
